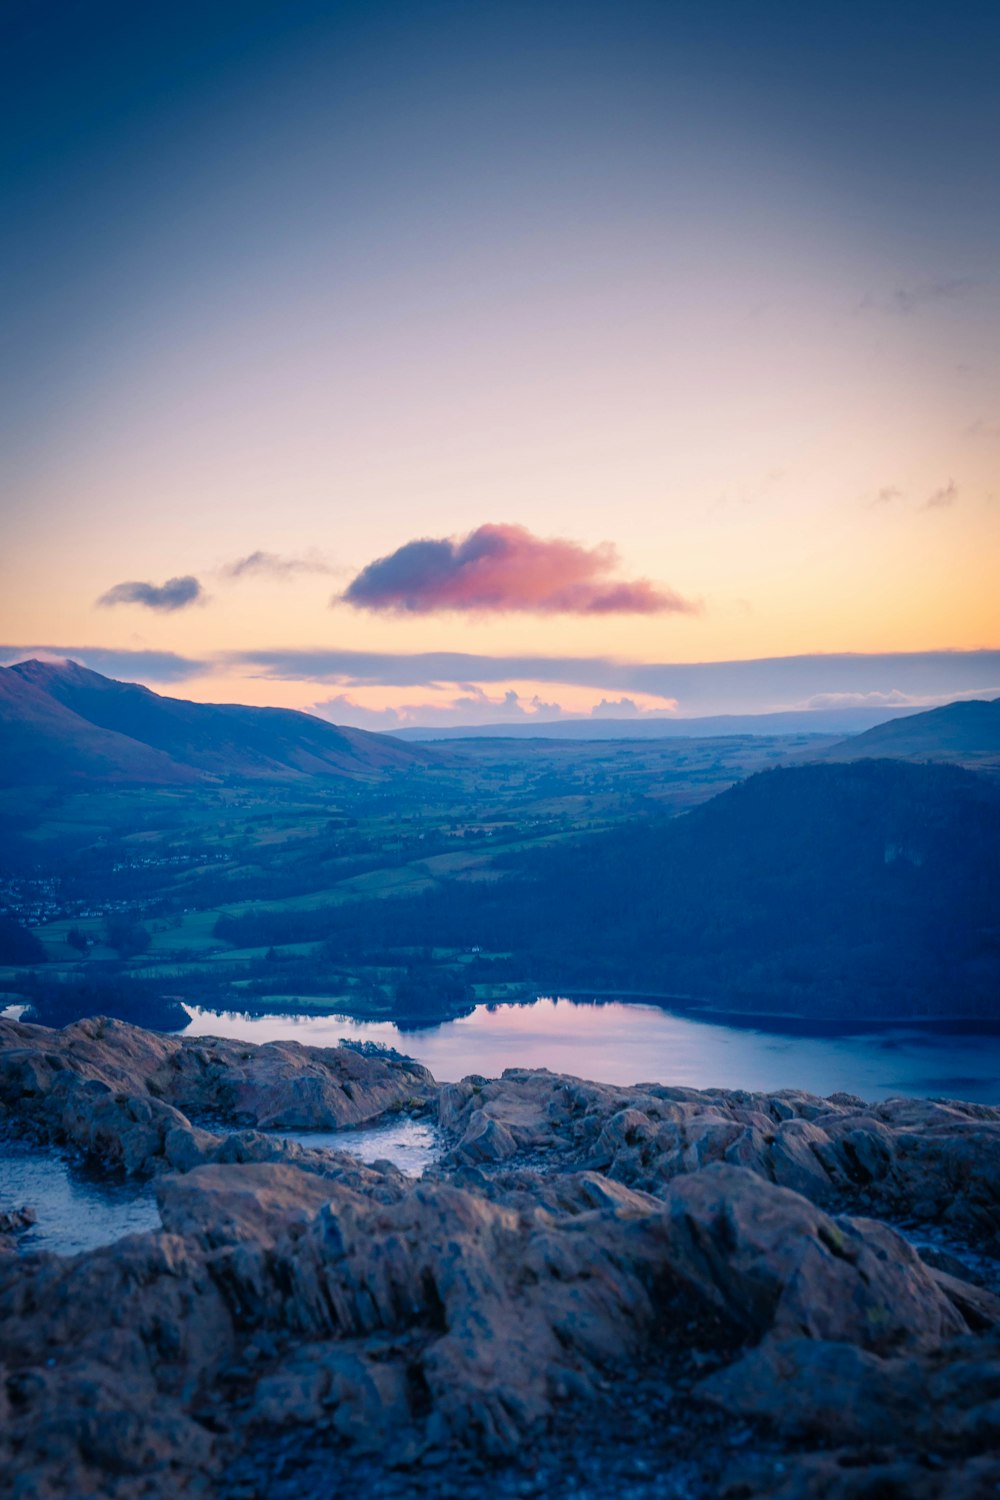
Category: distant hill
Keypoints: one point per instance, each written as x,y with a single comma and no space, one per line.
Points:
825,721
62,722
848,892
967,733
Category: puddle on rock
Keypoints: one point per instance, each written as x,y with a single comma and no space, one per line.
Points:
411,1145
75,1209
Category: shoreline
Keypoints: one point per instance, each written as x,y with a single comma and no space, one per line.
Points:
781,1023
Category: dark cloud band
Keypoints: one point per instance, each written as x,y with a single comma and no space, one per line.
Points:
698,687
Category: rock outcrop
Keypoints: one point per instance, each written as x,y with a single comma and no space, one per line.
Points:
915,1159
126,1096
298,1309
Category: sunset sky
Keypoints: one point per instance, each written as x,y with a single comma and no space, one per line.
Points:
451,362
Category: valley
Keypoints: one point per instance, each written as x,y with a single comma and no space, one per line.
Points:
163,871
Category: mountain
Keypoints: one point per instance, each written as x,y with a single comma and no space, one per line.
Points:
62,722
967,733
44,743
838,892
787,721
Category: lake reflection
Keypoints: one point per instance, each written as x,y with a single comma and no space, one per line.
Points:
629,1043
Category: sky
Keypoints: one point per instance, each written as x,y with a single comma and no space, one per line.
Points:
459,362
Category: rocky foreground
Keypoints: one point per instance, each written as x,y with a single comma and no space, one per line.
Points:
629,1292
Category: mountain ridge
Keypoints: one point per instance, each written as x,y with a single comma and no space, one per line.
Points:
842,721
62,721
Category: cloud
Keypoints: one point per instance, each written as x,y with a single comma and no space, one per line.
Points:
887,494
273,565
176,593
943,497
754,686
891,698
128,666
908,299
472,707
615,708
425,669
497,569
480,687
913,296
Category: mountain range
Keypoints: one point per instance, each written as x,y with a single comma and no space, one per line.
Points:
838,721
61,723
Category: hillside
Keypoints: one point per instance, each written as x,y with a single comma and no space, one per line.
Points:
63,722
967,733
860,891
42,742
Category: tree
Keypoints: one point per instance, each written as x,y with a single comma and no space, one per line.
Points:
78,940
126,934
18,945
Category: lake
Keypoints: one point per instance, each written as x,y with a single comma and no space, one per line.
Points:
633,1043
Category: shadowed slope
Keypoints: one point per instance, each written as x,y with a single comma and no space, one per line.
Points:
42,741
217,739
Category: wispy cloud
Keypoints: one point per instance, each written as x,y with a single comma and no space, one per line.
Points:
274,565
176,593
886,495
891,698
942,498
499,569
918,294
914,296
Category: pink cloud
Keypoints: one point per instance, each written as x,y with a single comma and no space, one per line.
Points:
496,569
